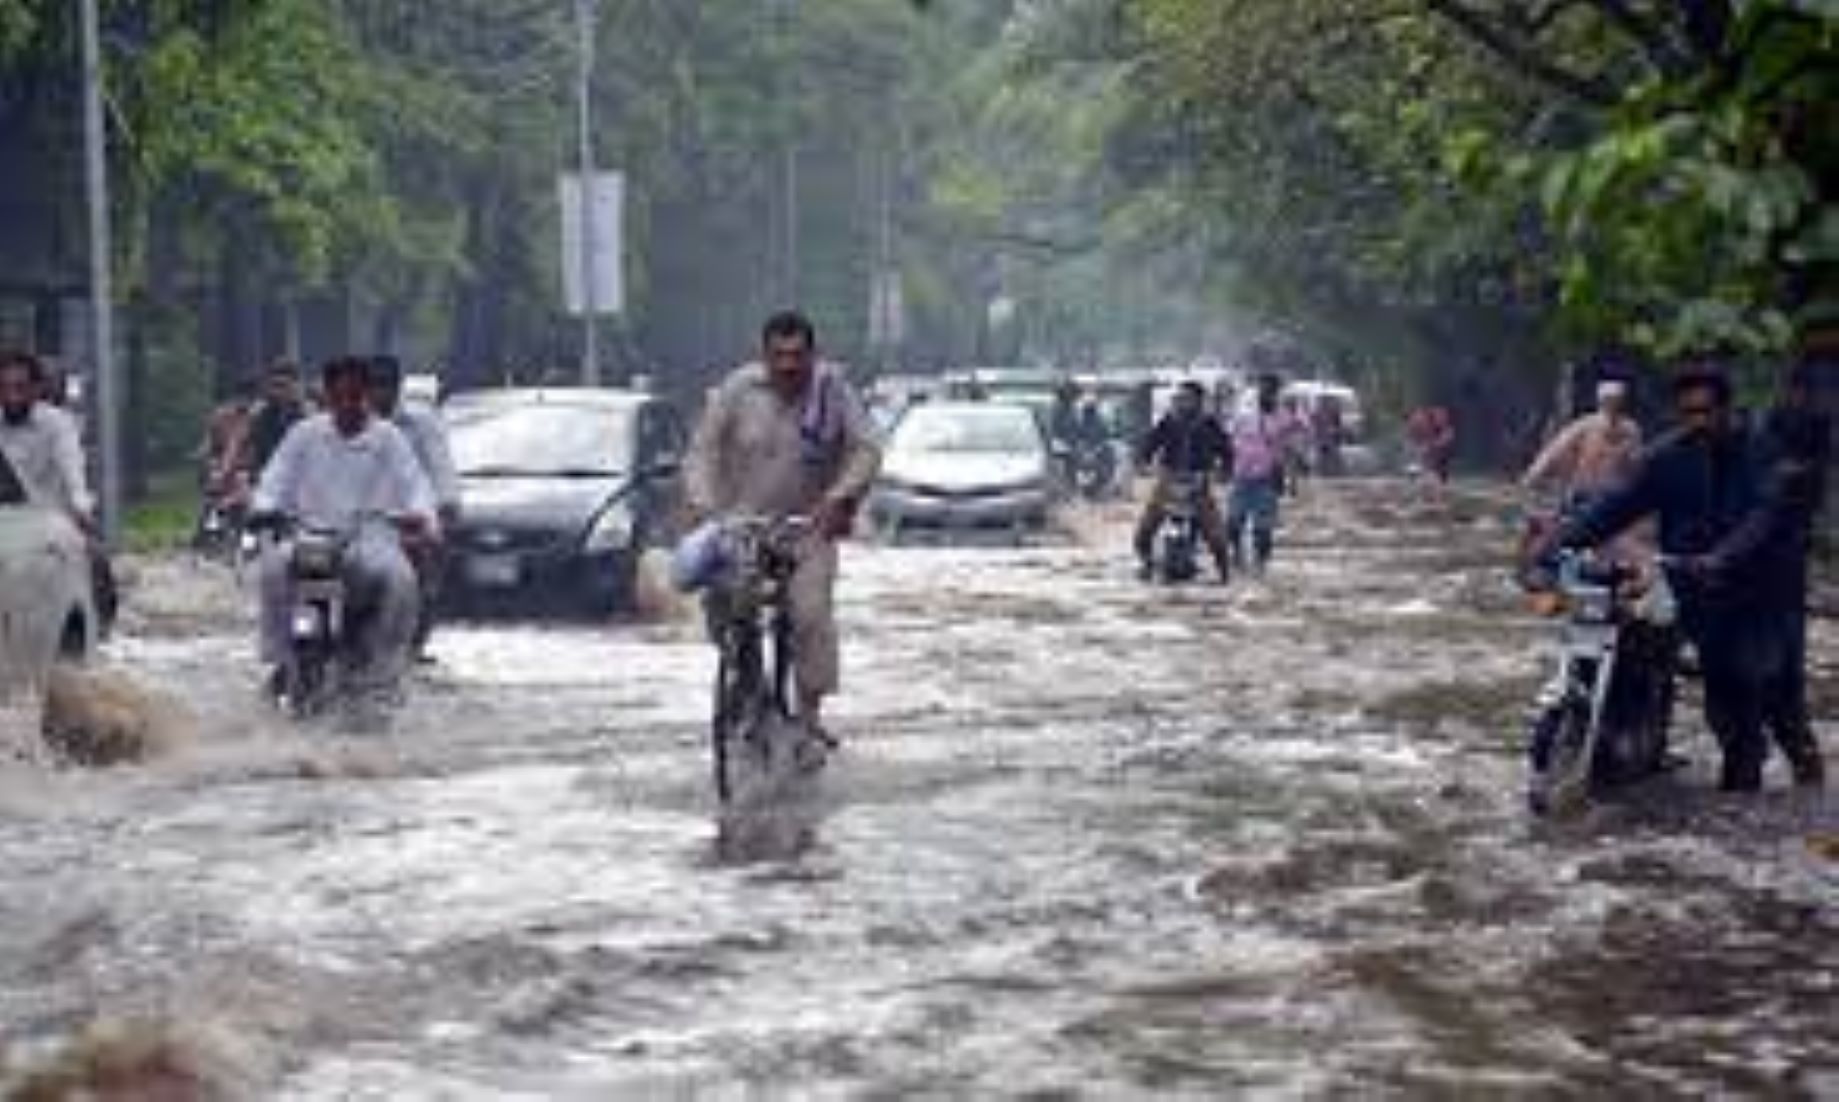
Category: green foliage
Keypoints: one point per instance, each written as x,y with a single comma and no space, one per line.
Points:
259,117
1680,219
1447,171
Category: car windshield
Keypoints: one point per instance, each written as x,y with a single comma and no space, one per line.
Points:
968,431
566,441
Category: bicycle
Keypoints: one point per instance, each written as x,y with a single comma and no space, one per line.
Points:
750,620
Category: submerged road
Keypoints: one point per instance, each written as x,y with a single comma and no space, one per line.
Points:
1087,837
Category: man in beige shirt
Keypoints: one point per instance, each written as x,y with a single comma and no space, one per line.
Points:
1592,453
782,438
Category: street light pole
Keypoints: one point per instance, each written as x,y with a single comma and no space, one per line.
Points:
584,91
101,291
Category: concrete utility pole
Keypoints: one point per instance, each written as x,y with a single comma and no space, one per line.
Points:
106,394
584,91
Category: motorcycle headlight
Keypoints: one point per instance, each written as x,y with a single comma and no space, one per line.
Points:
306,623
612,530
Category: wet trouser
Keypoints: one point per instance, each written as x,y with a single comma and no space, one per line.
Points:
1755,684
810,600
430,574
1206,516
382,601
1784,702
1254,504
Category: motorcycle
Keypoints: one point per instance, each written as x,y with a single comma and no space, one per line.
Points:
221,519
319,650
1601,720
327,653
1094,469
1176,560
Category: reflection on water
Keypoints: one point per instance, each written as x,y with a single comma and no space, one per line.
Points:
1084,837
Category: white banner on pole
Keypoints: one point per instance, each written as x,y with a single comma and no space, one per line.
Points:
608,251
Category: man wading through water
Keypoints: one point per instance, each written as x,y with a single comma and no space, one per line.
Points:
1707,482
789,437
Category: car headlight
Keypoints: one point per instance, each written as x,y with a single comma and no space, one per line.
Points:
612,530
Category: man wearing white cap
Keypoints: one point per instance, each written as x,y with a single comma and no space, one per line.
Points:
1592,453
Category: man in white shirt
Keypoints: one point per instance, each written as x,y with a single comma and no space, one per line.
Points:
347,471
44,446
42,442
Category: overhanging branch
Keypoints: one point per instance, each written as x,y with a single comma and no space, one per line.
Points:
1524,56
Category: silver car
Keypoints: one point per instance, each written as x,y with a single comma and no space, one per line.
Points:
47,610
964,465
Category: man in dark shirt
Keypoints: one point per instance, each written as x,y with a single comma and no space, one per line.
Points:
1186,444
280,406
1772,546
1703,481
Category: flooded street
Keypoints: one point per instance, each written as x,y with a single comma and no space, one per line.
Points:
1086,837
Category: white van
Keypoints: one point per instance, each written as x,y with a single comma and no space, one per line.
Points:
1310,393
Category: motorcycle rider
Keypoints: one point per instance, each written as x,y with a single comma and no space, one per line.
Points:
42,442
1090,448
1585,458
280,407
1091,430
344,470
1703,481
1189,442
1259,445
44,446
789,437
222,483
1592,453
1432,433
1063,416
427,437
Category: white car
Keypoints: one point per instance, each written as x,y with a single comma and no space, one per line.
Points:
1311,393
47,610
965,465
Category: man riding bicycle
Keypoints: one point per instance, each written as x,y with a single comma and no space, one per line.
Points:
789,437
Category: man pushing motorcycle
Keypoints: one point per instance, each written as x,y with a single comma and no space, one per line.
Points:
1704,481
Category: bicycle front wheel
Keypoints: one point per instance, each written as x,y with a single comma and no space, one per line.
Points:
737,689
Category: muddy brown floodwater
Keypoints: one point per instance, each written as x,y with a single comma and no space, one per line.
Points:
1088,837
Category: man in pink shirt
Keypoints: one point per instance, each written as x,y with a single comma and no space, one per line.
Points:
1258,446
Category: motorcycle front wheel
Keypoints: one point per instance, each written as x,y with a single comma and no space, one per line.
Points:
740,682
1558,749
1178,563
304,689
